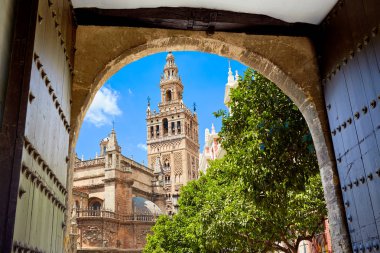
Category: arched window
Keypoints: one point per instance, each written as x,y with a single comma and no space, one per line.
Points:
77,204
179,127
168,96
96,205
166,163
151,132
157,131
165,126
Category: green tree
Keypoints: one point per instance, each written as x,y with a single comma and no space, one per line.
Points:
264,195
267,140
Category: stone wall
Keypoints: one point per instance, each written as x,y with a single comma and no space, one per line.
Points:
108,234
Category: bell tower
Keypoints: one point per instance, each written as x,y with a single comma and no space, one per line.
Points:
172,138
170,85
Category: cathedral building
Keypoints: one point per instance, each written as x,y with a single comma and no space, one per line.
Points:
117,199
172,137
213,148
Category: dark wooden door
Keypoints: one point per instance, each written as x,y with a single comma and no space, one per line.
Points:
352,98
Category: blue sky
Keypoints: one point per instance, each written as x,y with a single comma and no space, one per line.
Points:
123,99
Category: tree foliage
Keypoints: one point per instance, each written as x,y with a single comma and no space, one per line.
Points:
264,195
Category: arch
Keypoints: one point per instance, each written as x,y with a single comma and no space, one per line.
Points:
168,96
165,126
289,62
298,78
166,163
95,203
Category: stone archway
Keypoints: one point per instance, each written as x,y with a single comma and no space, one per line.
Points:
289,62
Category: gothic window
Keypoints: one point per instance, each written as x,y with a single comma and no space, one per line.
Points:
151,132
168,96
157,131
167,179
94,205
165,126
179,127
77,204
167,164
173,127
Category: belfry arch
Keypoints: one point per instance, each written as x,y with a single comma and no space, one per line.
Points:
290,62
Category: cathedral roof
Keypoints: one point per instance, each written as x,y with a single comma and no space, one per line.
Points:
143,206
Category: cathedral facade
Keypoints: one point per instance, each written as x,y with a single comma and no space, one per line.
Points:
115,201
172,138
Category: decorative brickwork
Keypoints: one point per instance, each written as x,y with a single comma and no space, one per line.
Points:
178,163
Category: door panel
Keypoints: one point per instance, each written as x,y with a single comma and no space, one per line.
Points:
352,93
40,220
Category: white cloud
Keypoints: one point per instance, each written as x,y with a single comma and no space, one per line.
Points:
130,92
104,107
142,146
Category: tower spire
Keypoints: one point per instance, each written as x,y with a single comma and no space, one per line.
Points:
112,143
170,69
232,82
230,75
148,107
170,83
